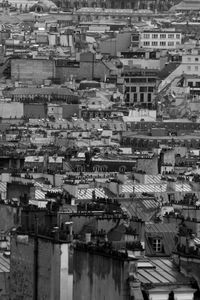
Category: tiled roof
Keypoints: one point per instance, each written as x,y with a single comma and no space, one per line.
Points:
39,195
86,193
144,188
4,263
3,187
155,188
153,179
185,187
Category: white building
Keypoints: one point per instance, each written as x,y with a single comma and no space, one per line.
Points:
163,39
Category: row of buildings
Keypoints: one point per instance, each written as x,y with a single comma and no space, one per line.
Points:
99,150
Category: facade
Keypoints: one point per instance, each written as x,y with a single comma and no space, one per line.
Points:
144,58
32,70
140,87
40,267
163,39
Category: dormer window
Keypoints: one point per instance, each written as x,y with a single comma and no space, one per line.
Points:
157,245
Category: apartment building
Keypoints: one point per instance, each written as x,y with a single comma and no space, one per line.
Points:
191,61
163,39
140,86
144,58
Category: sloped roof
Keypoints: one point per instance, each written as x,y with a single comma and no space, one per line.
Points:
160,271
144,210
187,5
87,193
42,91
167,70
4,263
166,232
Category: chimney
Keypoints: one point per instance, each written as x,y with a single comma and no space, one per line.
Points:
68,228
55,232
88,237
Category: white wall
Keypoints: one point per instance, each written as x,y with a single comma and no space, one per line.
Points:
11,110
66,279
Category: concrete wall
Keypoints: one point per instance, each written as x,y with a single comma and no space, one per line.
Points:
89,68
32,70
50,270
34,111
169,157
99,277
11,110
4,285
16,190
65,73
66,275
21,271
10,217
113,45
69,110
150,166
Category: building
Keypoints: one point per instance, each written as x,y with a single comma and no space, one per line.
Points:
187,6
160,39
140,87
40,267
4,269
112,45
144,58
33,71
190,65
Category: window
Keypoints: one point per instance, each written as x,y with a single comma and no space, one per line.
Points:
189,59
178,36
133,89
146,44
127,97
138,80
141,97
163,36
196,68
196,59
170,44
197,84
122,169
154,43
170,36
135,97
151,79
157,245
150,89
154,36
127,89
143,89
162,43
149,97
127,80
146,35
189,68
190,83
